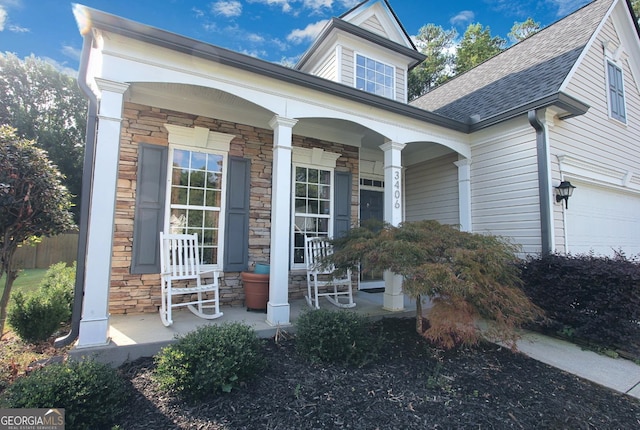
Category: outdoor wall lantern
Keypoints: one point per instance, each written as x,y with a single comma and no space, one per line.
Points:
563,192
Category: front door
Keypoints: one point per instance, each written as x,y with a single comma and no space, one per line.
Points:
371,207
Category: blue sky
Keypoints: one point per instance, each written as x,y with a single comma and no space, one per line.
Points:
274,30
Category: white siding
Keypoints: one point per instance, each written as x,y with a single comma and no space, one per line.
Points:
401,95
595,140
594,136
348,68
504,185
431,190
374,25
328,68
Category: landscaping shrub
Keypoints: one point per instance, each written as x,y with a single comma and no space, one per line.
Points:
36,317
210,360
92,394
596,299
466,276
59,281
336,336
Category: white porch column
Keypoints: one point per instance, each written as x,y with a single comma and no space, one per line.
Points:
278,311
94,324
393,203
464,193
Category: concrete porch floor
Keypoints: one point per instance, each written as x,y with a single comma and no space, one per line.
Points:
143,335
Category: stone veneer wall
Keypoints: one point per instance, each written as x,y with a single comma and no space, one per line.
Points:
144,124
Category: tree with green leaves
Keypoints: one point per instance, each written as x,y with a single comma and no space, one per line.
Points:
46,106
437,44
635,4
468,277
522,30
33,203
477,45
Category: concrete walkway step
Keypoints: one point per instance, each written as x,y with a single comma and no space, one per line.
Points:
618,374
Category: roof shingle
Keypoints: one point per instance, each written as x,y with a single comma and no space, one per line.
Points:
530,70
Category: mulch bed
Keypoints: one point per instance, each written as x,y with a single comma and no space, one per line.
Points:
410,386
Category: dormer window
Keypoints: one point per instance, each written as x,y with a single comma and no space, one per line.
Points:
374,77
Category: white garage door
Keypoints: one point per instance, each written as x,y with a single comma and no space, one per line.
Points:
603,220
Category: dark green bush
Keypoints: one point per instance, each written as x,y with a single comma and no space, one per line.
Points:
59,281
92,394
36,317
336,336
595,299
210,360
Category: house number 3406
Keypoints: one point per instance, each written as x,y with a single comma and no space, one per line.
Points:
396,191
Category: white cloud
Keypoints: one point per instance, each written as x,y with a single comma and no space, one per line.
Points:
289,61
17,29
3,18
255,53
199,13
462,18
211,27
61,67
5,22
227,8
565,7
254,38
560,8
309,32
281,45
349,3
71,52
11,3
284,4
317,5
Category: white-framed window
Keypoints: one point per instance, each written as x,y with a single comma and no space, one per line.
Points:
615,84
375,77
312,207
196,198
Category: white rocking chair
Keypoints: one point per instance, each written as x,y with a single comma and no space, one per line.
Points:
180,262
319,274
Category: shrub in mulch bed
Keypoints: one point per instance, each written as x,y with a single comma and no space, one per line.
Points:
336,337
210,360
592,300
92,394
410,385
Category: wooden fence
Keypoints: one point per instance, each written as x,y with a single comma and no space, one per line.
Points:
63,247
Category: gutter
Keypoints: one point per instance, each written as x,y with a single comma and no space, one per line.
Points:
543,181
572,106
112,23
85,196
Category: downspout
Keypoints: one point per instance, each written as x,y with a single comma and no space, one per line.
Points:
543,181
85,196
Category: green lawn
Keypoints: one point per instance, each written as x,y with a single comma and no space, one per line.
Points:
28,280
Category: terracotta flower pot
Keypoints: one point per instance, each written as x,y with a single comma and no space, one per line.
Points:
256,290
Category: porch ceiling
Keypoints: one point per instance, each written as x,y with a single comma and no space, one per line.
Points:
214,103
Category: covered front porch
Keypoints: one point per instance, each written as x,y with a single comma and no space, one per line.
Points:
156,131
143,335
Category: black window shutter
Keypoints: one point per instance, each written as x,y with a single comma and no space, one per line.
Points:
342,203
149,212
236,239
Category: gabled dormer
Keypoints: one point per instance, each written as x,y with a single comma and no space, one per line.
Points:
366,48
